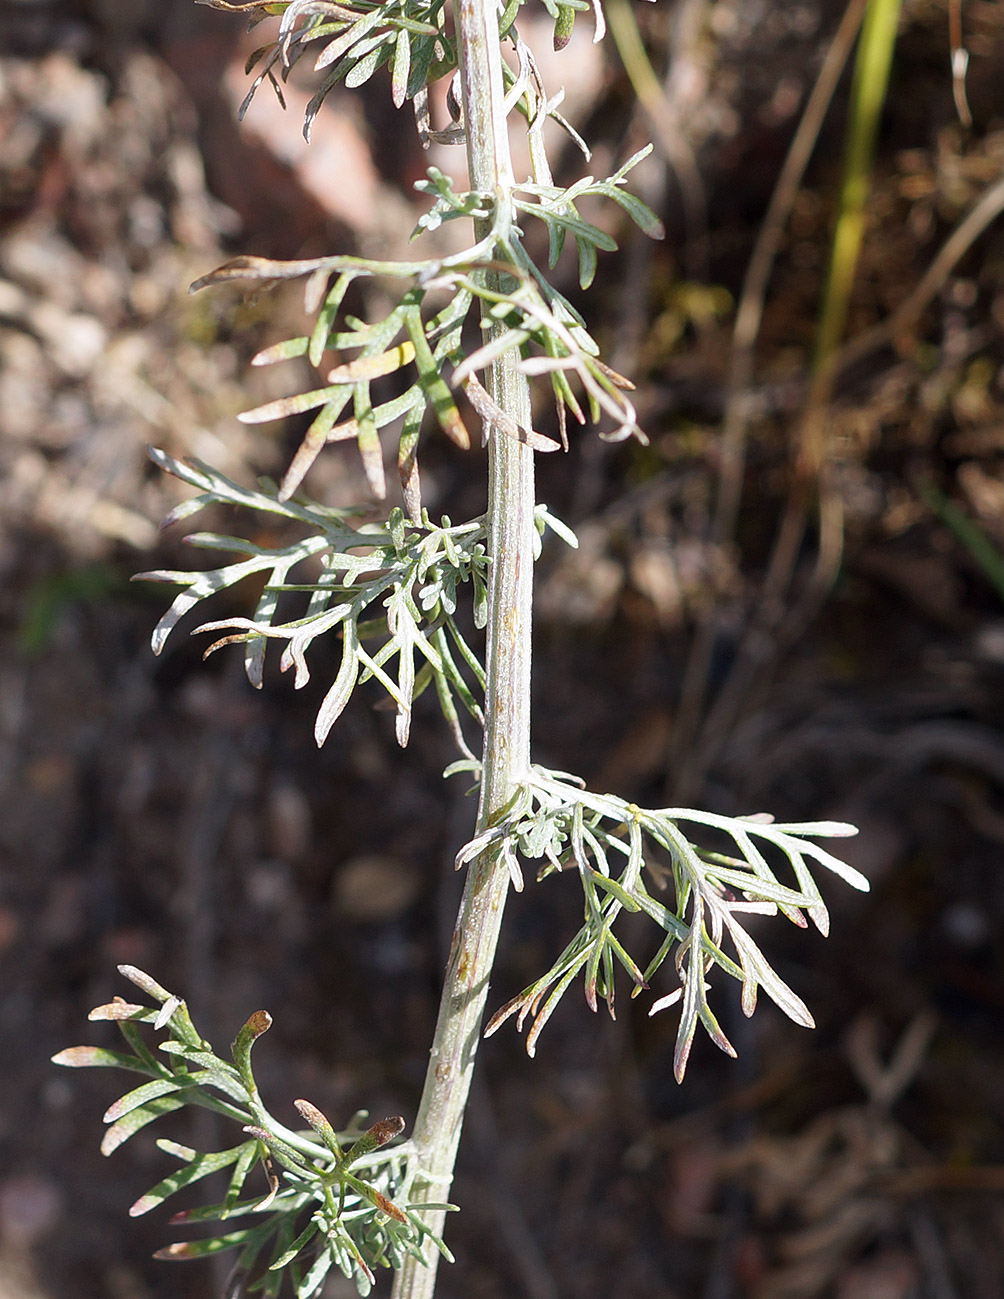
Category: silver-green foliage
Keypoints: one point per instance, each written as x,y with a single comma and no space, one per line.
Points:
421,341
330,1199
388,588
396,583
623,853
378,599
412,37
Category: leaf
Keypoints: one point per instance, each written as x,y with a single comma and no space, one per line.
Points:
757,886
616,890
258,268
289,1203
281,351
423,53
587,261
374,1138
338,696
373,367
254,1027
549,1007
185,510
86,1057
271,58
477,845
759,971
310,448
294,405
321,1126
199,1167
119,1009
555,237
326,318
545,519
197,1055
225,490
376,1198
435,385
283,1152
401,68
483,356
149,1091
847,873
184,1153
264,5
361,71
583,230
818,829
119,1133
183,1251
407,460
563,26
673,925
688,1019
493,415
304,1239
145,982
245,1162
314,1279
334,50
632,162
405,637
137,1044
314,107
640,213
254,650
198,589
297,9
368,441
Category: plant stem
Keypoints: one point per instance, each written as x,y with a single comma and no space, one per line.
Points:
506,755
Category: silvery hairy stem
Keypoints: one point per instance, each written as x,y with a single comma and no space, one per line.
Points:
506,755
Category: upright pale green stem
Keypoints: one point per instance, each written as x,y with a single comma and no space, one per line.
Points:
506,756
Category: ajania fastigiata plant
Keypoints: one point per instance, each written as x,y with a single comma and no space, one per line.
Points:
381,597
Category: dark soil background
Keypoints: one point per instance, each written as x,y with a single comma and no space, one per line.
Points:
162,813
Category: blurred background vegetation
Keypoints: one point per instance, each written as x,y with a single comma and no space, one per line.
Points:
711,640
